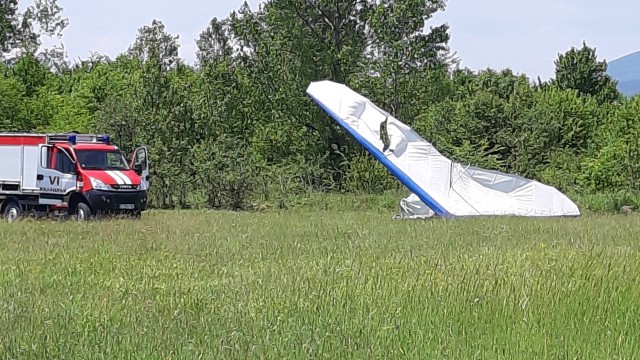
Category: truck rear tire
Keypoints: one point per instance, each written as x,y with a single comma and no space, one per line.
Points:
12,211
83,212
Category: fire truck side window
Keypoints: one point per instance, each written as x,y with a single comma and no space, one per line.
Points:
63,162
46,158
140,158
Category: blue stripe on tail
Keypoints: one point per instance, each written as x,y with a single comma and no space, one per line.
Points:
399,174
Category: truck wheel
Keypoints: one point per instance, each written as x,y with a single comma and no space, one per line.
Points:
12,211
83,212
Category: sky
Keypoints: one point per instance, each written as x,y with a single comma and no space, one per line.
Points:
524,35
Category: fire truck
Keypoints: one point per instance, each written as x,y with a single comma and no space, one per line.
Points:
70,175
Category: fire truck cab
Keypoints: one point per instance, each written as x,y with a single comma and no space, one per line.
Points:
70,174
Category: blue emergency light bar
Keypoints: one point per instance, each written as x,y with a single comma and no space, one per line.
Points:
75,138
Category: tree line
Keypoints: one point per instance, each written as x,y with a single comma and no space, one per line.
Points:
236,128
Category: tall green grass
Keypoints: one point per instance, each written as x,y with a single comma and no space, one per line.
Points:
602,204
323,284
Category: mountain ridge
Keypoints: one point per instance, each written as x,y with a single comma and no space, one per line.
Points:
626,70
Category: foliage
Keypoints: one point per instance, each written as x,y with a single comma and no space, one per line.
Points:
579,69
616,163
21,32
236,130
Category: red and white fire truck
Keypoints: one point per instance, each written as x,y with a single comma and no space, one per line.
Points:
70,174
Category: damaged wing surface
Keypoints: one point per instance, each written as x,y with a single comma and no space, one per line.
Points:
439,186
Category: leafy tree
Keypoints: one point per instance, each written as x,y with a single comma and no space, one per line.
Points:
616,163
214,42
155,46
32,73
12,106
20,32
400,50
580,70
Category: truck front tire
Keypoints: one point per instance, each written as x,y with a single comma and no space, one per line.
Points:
83,212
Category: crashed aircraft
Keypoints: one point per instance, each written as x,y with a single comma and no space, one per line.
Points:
439,187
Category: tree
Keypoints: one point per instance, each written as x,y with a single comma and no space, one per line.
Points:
12,104
400,49
154,45
616,163
580,70
18,35
214,42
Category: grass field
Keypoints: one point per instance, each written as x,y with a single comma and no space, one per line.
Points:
320,285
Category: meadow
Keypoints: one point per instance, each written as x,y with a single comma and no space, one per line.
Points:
320,284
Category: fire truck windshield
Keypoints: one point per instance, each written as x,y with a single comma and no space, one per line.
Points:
101,160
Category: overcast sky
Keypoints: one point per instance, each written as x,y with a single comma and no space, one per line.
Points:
524,35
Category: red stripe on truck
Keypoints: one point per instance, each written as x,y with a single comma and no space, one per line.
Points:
22,140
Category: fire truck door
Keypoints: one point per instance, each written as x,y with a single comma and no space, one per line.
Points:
56,174
140,163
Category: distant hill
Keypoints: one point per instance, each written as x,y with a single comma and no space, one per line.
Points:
631,87
627,71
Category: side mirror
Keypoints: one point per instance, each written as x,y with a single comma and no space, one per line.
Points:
138,168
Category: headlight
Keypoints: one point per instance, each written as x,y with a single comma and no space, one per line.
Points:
98,185
142,186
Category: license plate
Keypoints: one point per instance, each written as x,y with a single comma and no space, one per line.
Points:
127,206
